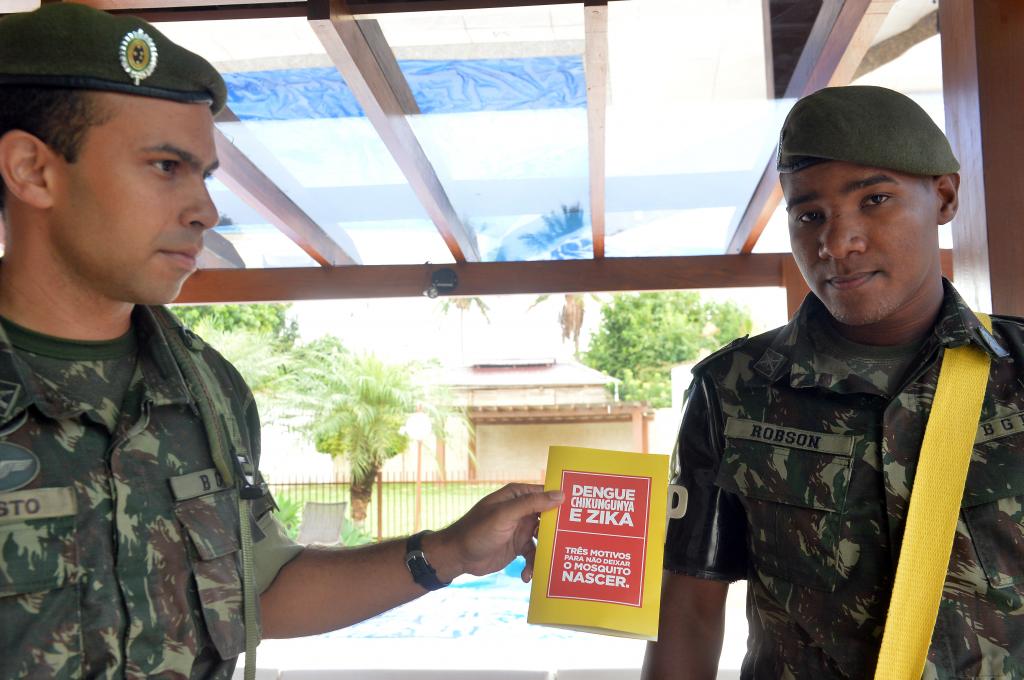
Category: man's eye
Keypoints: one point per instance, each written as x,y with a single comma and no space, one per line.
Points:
166,166
809,217
877,199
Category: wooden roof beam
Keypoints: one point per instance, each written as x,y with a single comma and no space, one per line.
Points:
487,278
207,10
840,38
358,6
596,68
349,48
250,184
499,278
117,5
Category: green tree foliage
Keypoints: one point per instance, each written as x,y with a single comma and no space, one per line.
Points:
269,320
358,405
355,406
642,336
264,362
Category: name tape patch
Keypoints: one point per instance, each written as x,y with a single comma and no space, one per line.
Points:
823,442
18,506
1003,426
197,484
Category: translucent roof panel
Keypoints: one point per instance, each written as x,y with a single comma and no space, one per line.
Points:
690,126
502,117
647,233
257,243
301,126
502,98
264,246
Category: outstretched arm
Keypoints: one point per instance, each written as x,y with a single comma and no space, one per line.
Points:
323,589
690,630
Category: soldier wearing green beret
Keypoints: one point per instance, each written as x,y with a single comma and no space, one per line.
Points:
799,447
136,538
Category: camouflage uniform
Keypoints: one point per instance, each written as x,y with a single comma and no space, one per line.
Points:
798,466
120,557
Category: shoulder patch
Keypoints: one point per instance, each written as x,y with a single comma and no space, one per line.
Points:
18,466
9,393
735,344
770,364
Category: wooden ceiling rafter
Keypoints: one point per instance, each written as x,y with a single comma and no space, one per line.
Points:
374,35
596,68
841,36
252,185
348,47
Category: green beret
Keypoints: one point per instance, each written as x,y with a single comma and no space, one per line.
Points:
73,46
866,125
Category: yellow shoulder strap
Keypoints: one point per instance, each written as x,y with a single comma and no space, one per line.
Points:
934,509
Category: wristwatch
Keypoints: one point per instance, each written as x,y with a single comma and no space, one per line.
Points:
418,565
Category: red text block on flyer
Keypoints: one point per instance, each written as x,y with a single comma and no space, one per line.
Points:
601,538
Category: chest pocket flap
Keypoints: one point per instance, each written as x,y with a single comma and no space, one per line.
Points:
211,522
793,485
993,508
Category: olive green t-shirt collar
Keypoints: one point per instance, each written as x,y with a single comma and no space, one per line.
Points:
28,340
163,382
844,348
797,354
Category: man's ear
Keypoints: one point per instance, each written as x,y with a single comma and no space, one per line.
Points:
26,165
947,187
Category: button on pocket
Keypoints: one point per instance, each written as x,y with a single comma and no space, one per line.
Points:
40,615
211,522
794,499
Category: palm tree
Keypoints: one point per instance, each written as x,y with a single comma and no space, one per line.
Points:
357,406
570,317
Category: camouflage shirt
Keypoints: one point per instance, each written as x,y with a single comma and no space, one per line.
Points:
798,467
119,542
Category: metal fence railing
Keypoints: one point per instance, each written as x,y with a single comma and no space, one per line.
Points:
396,507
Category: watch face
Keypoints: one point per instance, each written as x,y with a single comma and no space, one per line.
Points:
416,561
422,572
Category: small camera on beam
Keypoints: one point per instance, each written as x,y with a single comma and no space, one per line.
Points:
442,282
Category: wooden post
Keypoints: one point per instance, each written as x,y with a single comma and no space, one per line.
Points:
380,507
417,517
638,429
440,460
595,24
983,87
796,287
472,464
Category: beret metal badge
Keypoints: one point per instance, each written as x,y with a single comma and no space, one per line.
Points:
138,55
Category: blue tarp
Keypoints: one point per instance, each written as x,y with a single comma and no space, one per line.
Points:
438,86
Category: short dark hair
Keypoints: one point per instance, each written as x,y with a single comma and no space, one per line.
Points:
59,117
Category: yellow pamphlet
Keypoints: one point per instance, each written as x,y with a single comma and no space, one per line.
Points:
599,555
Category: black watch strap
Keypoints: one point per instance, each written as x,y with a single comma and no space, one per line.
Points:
418,565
